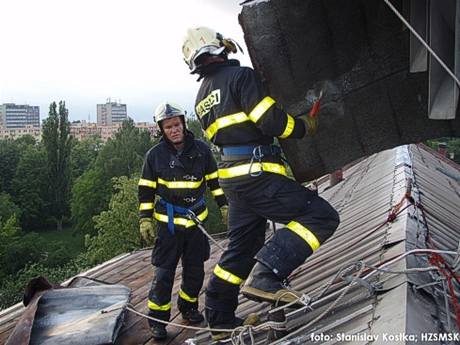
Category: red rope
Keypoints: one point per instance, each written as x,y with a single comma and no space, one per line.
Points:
439,262
396,210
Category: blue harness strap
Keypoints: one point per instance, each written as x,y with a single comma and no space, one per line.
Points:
172,209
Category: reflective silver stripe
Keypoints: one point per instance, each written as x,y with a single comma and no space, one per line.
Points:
261,108
289,127
147,183
305,234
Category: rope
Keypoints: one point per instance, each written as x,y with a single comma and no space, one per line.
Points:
328,309
415,33
439,262
191,215
237,333
134,311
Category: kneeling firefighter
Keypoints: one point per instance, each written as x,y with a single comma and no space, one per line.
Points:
242,120
177,171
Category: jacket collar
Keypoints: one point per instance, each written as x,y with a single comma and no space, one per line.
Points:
214,67
189,140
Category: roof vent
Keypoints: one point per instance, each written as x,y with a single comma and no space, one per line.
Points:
442,149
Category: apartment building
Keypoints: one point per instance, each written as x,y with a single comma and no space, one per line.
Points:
111,113
14,116
81,129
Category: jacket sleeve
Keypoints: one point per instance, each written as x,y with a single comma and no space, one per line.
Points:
146,188
212,180
263,110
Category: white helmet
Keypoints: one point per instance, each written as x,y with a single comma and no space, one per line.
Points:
167,110
203,40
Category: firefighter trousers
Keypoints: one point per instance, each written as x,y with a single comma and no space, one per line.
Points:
309,221
192,247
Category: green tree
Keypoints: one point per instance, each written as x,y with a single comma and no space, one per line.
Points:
118,227
30,185
122,156
90,195
8,208
83,155
9,159
57,142
194,126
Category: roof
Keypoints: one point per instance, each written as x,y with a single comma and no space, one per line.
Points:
361,55
392,304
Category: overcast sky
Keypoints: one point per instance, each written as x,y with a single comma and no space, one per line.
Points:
85,51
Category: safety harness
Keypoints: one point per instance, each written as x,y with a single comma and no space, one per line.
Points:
255,153
172,209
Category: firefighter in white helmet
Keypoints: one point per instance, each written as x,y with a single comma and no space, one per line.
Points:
176,172
240,118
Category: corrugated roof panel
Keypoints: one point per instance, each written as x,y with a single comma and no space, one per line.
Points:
365,198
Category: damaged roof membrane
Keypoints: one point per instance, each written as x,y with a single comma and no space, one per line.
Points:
361,55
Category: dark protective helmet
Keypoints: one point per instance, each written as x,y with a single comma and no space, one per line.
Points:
168,110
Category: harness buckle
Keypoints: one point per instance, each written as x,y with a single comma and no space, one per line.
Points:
258,155
257,152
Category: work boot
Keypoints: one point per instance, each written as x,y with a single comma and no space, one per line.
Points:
265,286
192,315
251,319
158,331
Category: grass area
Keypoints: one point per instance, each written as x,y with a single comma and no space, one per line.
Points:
74,242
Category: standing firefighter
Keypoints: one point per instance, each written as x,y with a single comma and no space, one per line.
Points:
176,170
239,117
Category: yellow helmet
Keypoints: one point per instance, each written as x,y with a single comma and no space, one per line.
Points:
203,40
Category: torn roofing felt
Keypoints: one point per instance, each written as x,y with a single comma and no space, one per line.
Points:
84,313
362,55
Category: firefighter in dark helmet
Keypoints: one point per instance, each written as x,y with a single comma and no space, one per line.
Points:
177,171
240,118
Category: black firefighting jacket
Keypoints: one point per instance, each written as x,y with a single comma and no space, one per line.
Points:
234,110
179,179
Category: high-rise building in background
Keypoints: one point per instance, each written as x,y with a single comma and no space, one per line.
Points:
111,113
14,116
81,129
17,120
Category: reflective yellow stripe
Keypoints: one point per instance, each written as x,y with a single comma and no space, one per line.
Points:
147,183
217,192
289,127
180,184
261,108
227,276
243,169
186,297
225,121
154,306
212,175
179,220
146,206
305,234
